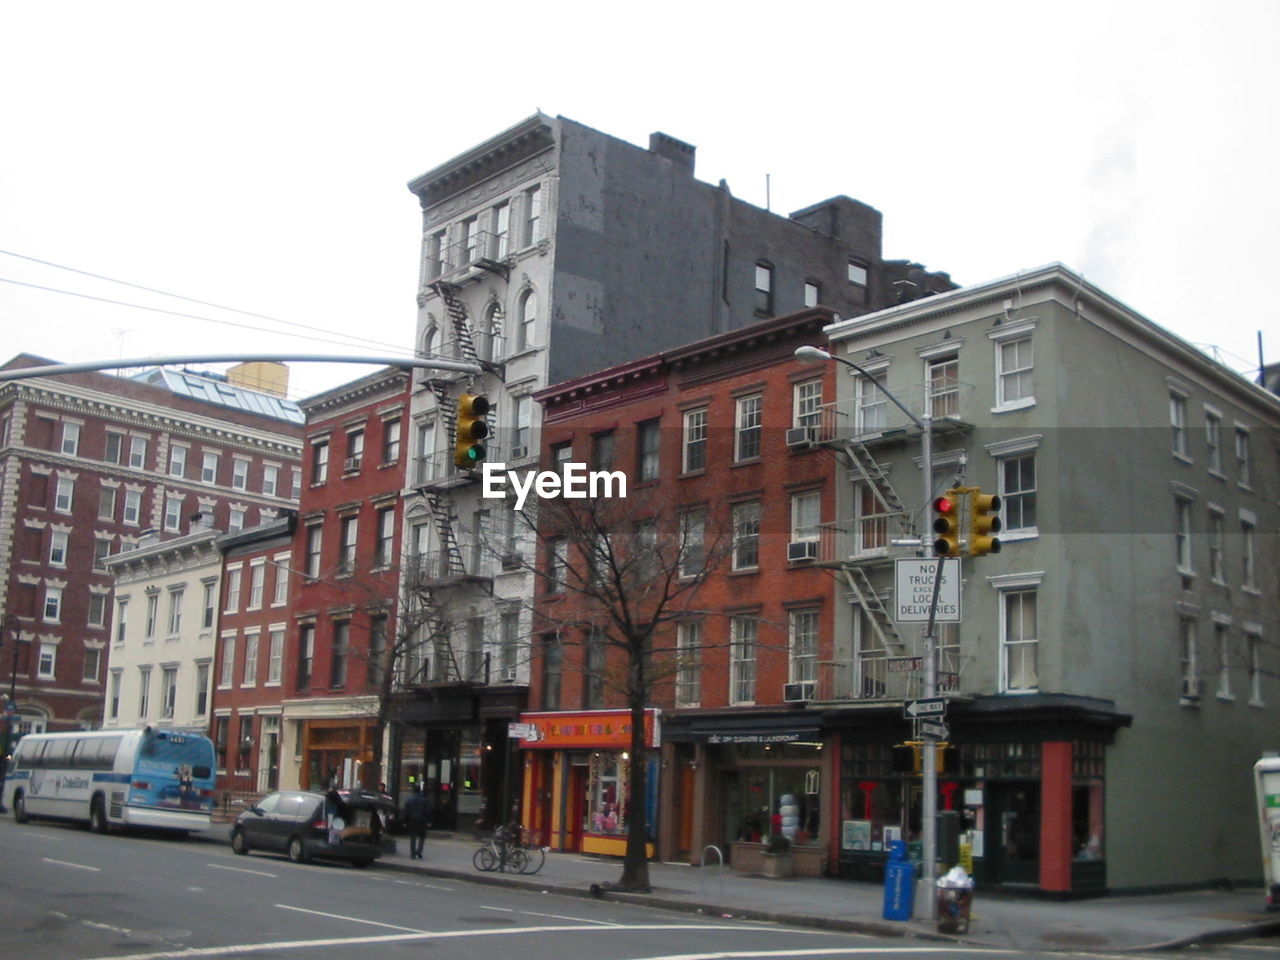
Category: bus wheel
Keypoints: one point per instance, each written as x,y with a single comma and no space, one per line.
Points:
97,816
20,807
297,852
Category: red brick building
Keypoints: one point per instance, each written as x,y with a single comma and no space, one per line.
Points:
719,431
89,463
345,551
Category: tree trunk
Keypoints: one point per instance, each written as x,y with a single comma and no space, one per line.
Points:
635,866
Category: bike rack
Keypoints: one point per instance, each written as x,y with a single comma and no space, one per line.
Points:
702,877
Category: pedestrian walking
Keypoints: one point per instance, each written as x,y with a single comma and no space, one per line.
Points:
417,817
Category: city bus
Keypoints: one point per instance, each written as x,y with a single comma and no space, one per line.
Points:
155,778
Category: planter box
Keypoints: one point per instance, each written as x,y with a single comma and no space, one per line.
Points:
749,858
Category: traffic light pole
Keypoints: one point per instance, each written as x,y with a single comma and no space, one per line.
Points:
929,759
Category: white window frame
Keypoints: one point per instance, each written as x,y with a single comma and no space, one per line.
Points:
1222,650
138,453
1006,452
173,513
1248,551
64,495
210,462
59,544
1178,407
250,677
1244,457
270,480
144,692
1213,441
175,611
152,620
132,515
70,444
47,664
257,583
871,412
693,542
177,460
227,666
688,663
803,628
1183,508
806,515
1021,372
942,384
52,611
168,691
743,653
275,655
746,517
748,428
280,593
1009,587
695,440
1254,648
806,404
231,595
239,473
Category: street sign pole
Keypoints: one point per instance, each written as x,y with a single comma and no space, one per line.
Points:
929,762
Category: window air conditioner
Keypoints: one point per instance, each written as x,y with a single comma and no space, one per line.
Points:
801,437
519,453
1192,687
801,550
351,464
797,692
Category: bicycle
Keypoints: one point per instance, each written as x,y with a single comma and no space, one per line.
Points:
502,854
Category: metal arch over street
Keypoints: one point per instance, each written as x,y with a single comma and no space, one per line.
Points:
53,369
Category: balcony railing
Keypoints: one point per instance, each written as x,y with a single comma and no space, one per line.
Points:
461,256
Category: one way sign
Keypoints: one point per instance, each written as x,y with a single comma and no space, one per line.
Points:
933,707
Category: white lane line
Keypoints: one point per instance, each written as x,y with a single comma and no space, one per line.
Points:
280,945
558,916
497,909
339,916
256,873
77,866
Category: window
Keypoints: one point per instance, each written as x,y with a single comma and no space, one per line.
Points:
1014,383
857,273
1217,570
695,440
500,230
552,672
177,461
71,439
688,663
48,662
315,534
561,457
64,495
239,474
812,293
168,691
648,439
207,605
742,660
153,615
527,317
872,517
144,691
391,441
113,708
1244,470
306,654
942,374
873,406
91,665
122,617
173,514
347,547
235,519
593,675
209,468
107,503
320,461
509,649
693,547
138,452
355,451
803,633
1253,642
746,535
58,548
1178,423
750,420
295,483
114,452
1222,643
270,480
807,404
52,604
1247,569
764,288
385,555
250,660
1182,533
232,604
202,689
280,596
275,653
437,251
227,676
1019,641
257,580
470,240
805,514
376,670
556,564
1018,492
97,616
338,662
175,612
1213,440
522,435
132,507
532,216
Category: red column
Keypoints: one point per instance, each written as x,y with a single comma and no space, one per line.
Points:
1055,817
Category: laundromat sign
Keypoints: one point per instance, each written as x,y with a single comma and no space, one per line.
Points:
584,729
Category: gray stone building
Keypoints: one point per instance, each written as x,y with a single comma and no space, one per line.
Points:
1113,678
549,251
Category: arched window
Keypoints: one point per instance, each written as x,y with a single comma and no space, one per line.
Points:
490,345
431,342
528,317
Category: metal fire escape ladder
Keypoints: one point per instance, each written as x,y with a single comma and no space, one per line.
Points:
865,596
865,468
458,317
446,522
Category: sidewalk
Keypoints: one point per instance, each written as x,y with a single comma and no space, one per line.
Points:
1111,923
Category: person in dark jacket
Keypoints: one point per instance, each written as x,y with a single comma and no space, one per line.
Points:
417,817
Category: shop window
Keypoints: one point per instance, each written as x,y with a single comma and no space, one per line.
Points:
606,792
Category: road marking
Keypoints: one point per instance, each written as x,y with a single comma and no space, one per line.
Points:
280,945
498,909
256,873
558,916
340,916
77,866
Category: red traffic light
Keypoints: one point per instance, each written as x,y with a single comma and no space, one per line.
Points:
944,504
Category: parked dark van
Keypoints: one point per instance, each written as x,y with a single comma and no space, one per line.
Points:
348,825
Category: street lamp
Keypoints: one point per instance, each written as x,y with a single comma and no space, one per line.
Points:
11,626
929,760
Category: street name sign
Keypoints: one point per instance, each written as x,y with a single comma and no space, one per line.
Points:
913,589
932,707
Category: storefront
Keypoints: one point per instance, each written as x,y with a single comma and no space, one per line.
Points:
338,752
576,778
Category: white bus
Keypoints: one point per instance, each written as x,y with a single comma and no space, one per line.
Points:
1266,781
130,778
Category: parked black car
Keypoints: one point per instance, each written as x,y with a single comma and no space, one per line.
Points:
346,825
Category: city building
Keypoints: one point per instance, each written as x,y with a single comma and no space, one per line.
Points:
1112,676
549,251
344,645
716,439
91,465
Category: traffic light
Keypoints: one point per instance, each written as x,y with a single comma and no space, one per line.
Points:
983,523
468,451
946,525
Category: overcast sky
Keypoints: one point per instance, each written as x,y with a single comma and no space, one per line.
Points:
255,155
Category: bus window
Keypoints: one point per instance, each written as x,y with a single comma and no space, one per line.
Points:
107,749
56,753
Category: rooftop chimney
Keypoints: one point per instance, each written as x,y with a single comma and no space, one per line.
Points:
677,151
